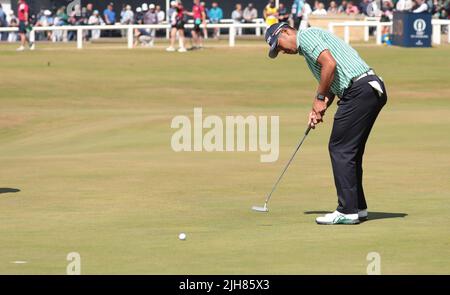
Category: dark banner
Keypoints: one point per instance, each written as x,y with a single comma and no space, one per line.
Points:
412,29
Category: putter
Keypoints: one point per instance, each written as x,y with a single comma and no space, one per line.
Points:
265,208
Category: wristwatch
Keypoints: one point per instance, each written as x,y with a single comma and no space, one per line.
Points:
320,97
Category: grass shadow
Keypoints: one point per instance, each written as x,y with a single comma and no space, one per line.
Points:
5,190
372,214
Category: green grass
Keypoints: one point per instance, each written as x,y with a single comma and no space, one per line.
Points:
85,135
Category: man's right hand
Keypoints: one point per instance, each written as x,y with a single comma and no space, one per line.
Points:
314,119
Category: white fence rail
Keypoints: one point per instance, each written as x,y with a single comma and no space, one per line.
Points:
233,27
366,24
436,23
130,30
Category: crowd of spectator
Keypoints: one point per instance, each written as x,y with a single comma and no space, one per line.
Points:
296,12
301,9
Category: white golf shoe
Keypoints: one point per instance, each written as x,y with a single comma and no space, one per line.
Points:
170,49
21,48
363,214
338,218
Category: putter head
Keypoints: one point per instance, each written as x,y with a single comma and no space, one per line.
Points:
260,209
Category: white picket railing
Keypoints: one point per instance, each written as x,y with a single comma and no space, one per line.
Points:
366,24
232,27
130,30
437,24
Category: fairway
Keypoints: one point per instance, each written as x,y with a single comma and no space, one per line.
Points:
87,165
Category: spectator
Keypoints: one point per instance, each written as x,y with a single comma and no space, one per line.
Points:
430,5
343,7
139,16
89,11
306,11
297,12
160,13
74,19
127,16
172,9
151,18
441,13
351,9
420,6
144,7
363,6
205,30
203,4
24,25
60,19
109,14
320,10
161,16
316,5
271,13
388,10
386,16
215,15
373,10
404,5
95,20
177,21
3,23
283,14
199,16
13,23
46,20
250,13
122,12
333,9
76,16
143,37
237,16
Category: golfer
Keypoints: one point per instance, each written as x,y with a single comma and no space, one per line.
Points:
340,71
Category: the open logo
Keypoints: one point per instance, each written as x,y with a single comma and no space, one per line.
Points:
419,25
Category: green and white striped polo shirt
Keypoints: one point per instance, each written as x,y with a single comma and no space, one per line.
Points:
312,41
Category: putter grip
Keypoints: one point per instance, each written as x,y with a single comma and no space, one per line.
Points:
308,129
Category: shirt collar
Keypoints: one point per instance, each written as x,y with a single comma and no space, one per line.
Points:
299,48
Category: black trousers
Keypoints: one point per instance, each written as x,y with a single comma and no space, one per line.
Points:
357,111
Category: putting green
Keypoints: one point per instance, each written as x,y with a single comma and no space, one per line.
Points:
85,138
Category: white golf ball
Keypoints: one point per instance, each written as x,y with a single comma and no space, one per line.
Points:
182,236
